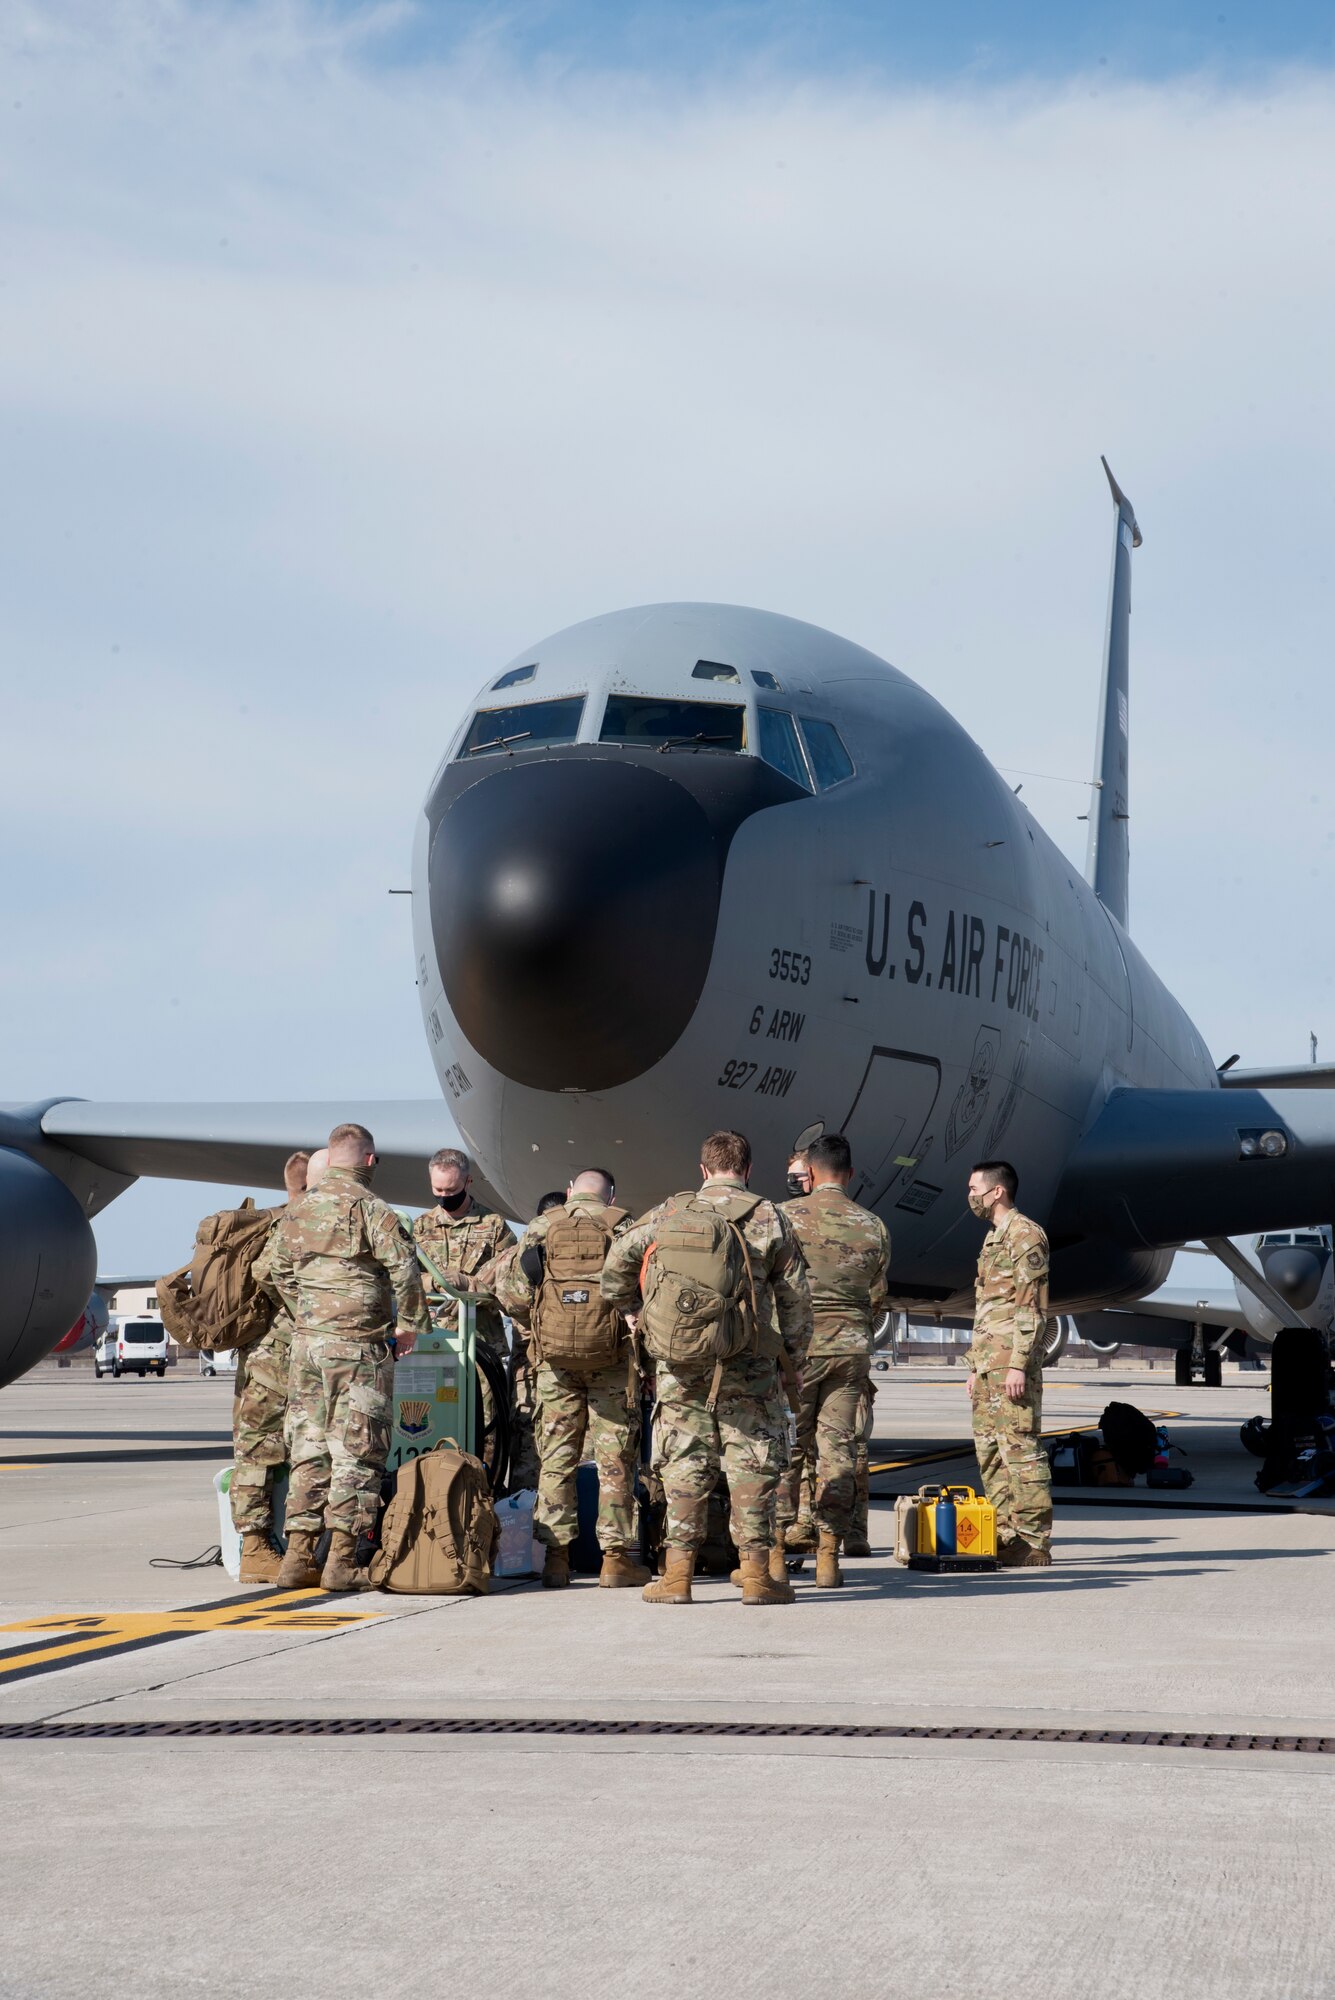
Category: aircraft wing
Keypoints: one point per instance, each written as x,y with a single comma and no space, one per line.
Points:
1164,1167
1214,1305
1302,1076
245,1145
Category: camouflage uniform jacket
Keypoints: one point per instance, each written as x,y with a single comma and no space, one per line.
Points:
342,1262
1010,1297
847,1251
462,1246
513,1288
782,1297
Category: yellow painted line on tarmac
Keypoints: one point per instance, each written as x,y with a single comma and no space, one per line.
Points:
26,1467
966,1450
289,1611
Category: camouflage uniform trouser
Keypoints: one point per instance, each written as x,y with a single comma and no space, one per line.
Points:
1016,1476
524,1461
340,1408
745,1435
259,1406
861,1503
574,1403
831,1415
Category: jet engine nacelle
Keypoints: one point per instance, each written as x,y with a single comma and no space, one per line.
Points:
1056,1339
48,1261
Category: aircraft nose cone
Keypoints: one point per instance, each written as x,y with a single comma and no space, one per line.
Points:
1294,1273
573,907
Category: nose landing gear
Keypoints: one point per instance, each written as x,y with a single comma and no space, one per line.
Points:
1195,1362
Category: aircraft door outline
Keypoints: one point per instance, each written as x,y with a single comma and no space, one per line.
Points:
891,1098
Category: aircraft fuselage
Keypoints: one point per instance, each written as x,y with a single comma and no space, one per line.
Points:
904,955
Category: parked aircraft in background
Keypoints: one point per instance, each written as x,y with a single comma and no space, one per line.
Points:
1223,1312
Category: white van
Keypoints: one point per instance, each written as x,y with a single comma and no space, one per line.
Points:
134,1347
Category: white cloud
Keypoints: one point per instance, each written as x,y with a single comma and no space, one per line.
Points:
327,385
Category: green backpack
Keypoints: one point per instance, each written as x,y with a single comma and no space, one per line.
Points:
698,1286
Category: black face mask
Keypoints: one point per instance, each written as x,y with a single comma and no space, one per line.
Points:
453,1202
796,1185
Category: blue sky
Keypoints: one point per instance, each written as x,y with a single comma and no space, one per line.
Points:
949,40
344,353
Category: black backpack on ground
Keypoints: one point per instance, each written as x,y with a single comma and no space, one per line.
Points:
1130,1436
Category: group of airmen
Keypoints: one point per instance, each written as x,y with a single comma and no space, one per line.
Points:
784,1417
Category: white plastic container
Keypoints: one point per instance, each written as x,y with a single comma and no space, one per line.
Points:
520,1553
228,1537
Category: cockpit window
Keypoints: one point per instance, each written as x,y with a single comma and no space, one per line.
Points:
764,679
673,725
514,677
829,759
522,726
779,745
714,670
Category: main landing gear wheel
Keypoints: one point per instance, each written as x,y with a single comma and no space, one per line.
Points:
1182,1367
1213,1373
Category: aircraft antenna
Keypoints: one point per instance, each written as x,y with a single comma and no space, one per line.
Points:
1107,860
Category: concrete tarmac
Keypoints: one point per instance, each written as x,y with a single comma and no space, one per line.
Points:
672,1864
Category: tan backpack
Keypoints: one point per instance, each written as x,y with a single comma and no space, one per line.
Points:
440,1531
214,1301
571,1321
698,1286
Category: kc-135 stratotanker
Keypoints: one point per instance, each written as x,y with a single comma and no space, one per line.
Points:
692,865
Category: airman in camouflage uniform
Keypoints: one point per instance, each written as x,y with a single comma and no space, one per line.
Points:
259,1410
1006,1368
600,1404
344,1264
847,1252
743,1430
462,1239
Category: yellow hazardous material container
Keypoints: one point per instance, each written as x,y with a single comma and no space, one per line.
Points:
975,1521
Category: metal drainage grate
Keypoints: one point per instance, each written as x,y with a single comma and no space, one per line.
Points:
857,1732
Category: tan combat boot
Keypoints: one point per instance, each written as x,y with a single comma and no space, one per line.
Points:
758,1585
299,1571
856,1544
260,1560
674,1586
340,1571
1020,1554
829,1576
620,1571
556,1567
778,1567
799,1538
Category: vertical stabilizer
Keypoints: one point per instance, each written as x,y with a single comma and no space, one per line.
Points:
1107,863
